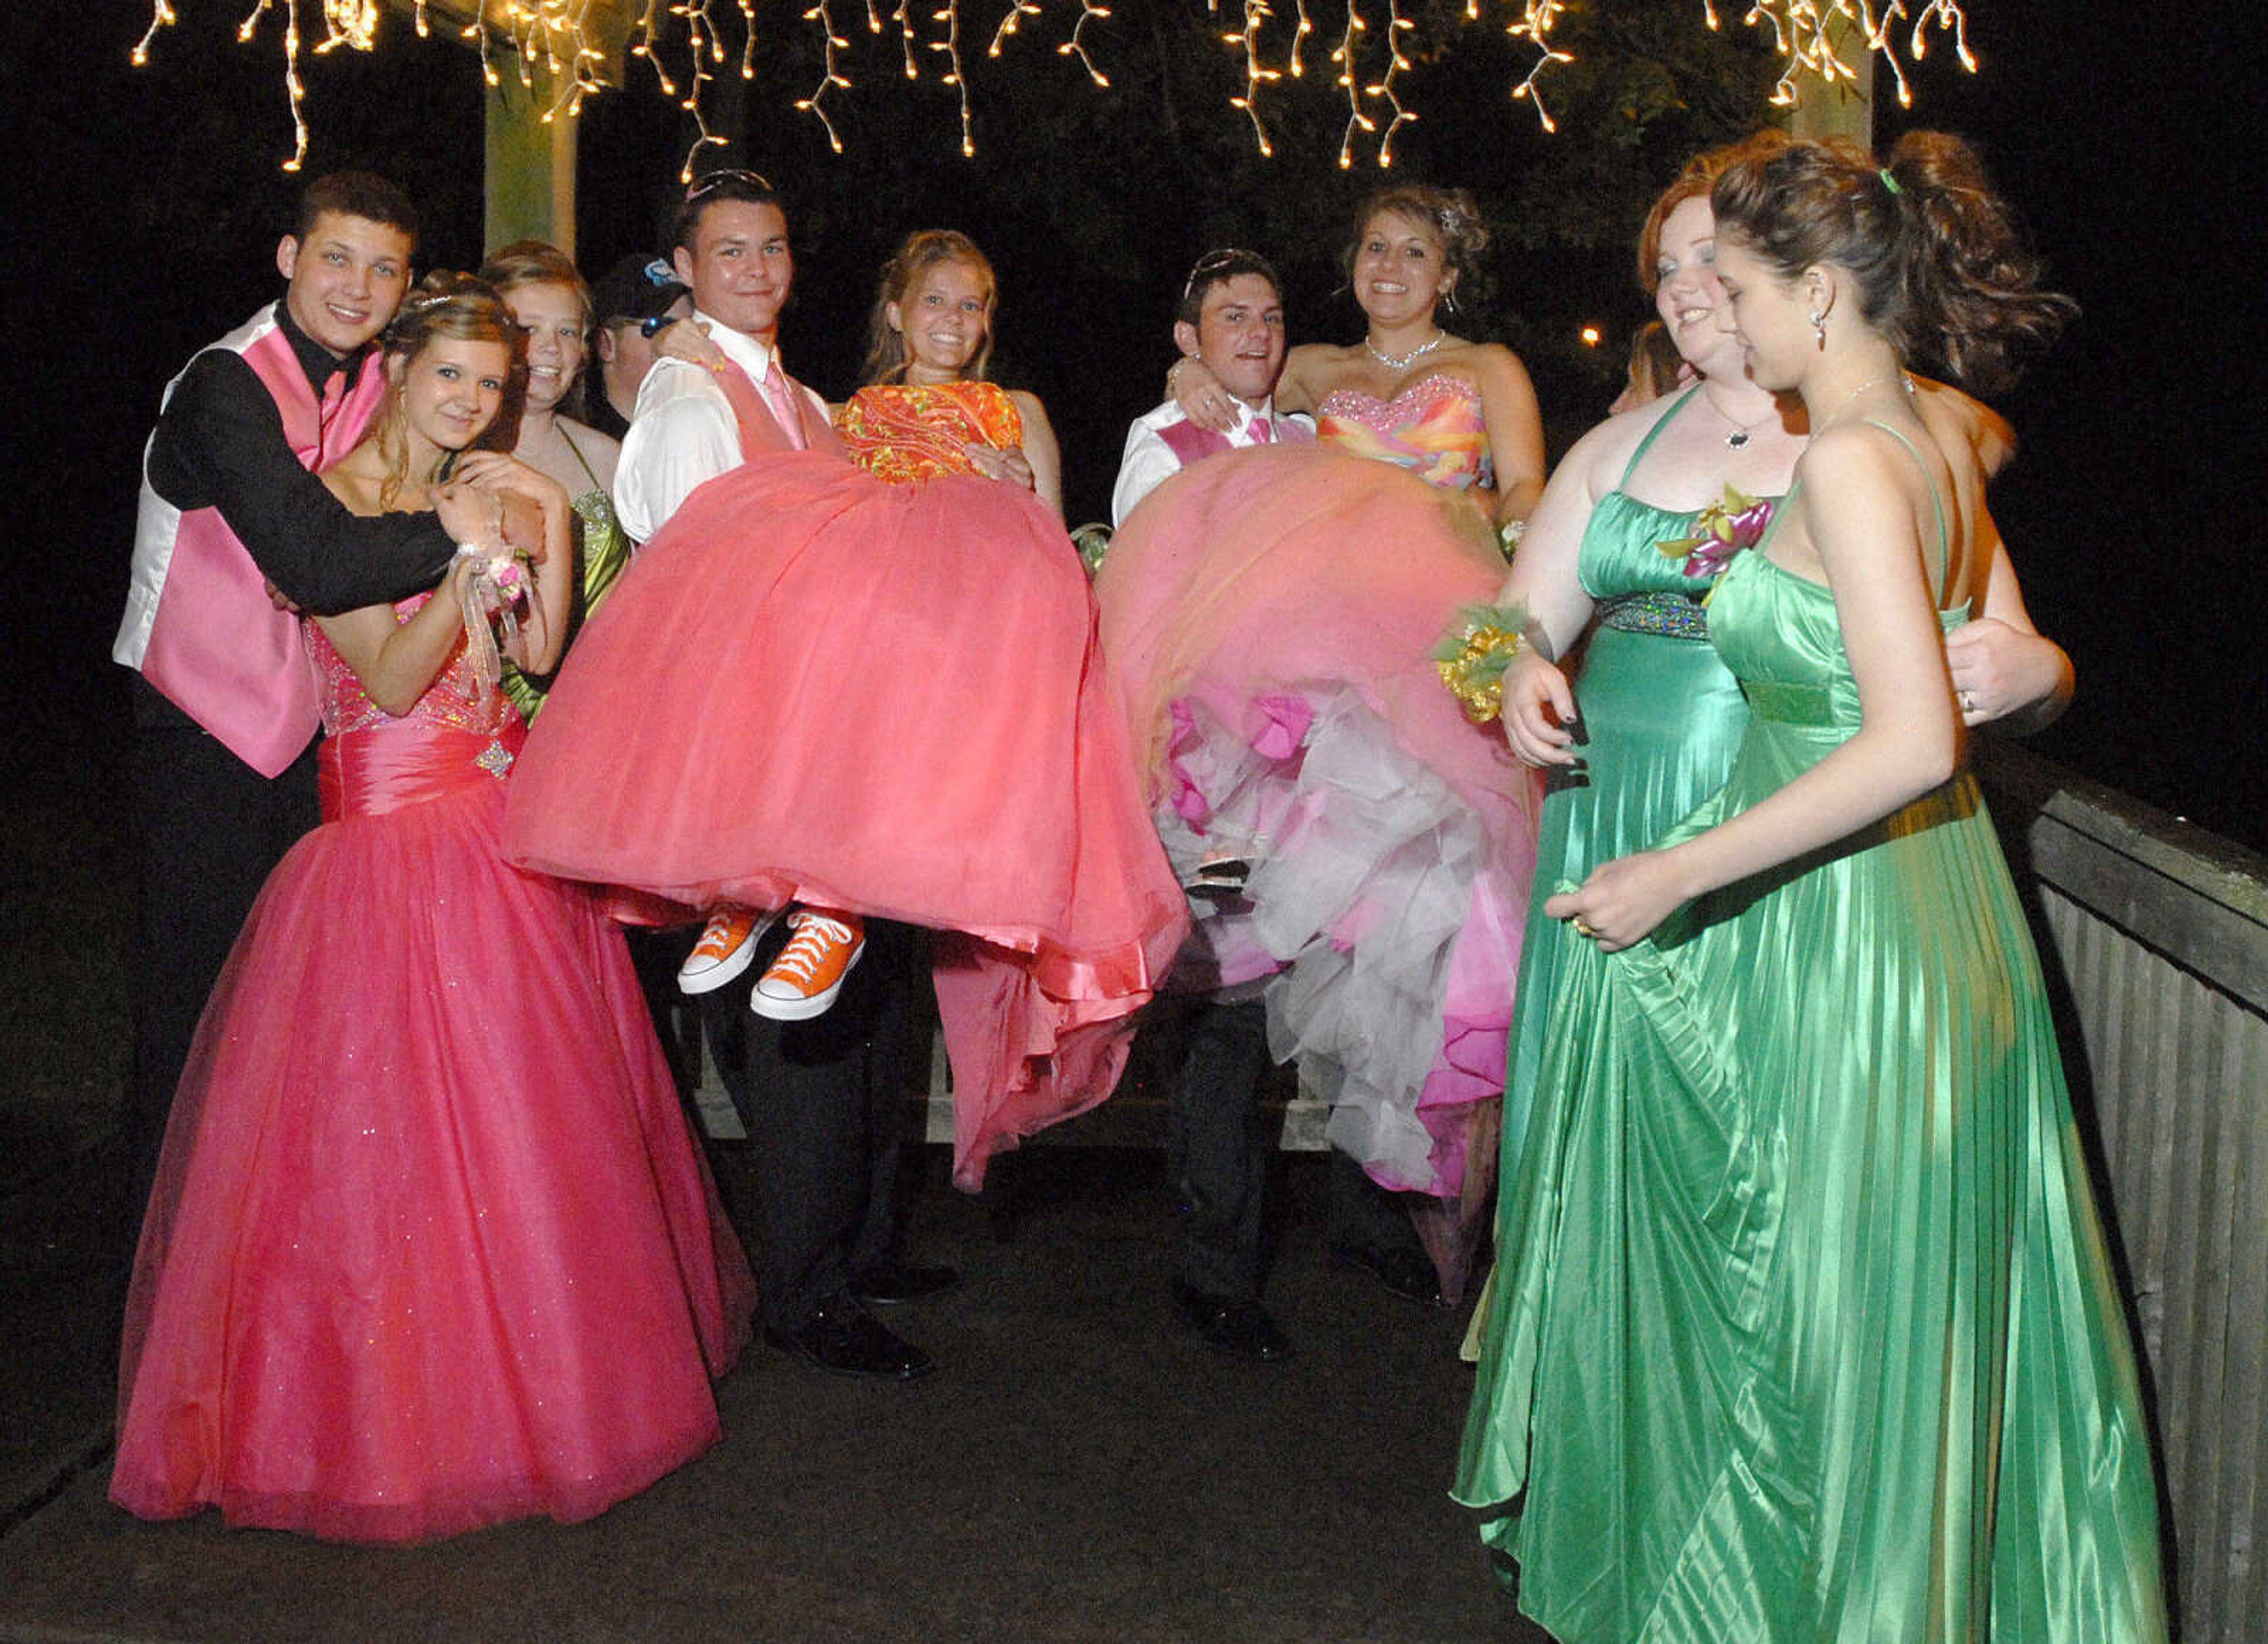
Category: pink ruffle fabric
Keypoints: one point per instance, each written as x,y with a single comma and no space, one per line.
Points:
814,687
1268,616
431,1247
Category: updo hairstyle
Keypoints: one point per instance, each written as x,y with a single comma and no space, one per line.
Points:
1451,215
462,309
924,249
1938,263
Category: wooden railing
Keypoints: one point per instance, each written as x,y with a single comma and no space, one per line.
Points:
2155,935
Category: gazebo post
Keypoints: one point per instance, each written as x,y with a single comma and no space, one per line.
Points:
1845,109
529,176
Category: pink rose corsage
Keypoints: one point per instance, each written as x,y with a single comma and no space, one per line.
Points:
1721,531
493,596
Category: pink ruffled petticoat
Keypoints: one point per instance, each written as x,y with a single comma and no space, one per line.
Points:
1268,616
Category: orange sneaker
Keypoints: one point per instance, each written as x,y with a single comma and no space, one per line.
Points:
809,972
726,945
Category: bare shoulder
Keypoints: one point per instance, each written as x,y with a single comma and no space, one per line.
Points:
1957,420
1028,404
593,444
1604,454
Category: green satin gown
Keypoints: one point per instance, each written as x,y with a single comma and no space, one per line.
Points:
1661,716
602,553
1805,1330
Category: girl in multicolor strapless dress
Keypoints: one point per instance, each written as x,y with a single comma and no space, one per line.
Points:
1268,616
876,693
430,1246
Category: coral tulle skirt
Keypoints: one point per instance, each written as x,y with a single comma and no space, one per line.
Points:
1268,616
430,1246
814,687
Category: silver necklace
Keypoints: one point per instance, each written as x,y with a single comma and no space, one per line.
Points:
1403,363
1819,425
1741,432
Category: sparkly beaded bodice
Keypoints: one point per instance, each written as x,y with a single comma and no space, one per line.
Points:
1434,427
455,699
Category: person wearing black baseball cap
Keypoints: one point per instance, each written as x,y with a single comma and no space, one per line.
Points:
635,298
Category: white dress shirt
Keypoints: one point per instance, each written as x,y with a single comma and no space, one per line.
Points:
683,432
1149,461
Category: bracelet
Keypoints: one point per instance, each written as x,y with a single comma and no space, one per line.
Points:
1473,655
1174,376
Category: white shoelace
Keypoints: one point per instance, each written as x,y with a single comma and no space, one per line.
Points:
799,959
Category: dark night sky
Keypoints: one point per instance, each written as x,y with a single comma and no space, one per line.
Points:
146,206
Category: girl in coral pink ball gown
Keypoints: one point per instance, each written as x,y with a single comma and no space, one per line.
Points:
430,1246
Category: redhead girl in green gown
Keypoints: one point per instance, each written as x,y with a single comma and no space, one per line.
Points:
1804,1329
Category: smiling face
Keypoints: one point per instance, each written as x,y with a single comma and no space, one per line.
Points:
452,389
943,318
346,277
1239,335
740,267
553,315
1401,270
1688,294
1770,316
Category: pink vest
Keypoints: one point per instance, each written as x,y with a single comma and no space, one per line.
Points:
760,431
1191,444
198,621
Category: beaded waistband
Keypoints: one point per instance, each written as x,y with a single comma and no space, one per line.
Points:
1666,615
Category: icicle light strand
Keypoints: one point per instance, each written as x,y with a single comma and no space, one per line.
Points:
1816,40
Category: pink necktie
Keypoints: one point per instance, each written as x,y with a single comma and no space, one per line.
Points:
1261,433
781,401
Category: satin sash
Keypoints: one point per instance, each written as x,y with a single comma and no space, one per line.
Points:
369,773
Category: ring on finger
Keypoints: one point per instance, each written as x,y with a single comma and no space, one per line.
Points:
1582,929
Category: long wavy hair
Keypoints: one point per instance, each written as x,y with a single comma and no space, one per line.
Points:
926,249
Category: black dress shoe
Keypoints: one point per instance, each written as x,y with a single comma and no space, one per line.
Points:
1231,1324
1406,1272
842,1339
897,1281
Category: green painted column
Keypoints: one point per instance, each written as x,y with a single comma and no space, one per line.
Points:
530,165
1845,109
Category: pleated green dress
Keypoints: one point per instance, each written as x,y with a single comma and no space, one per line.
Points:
1805,1330
1661,716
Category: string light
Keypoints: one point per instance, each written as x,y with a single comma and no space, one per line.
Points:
1076,46
951,46
1256,73
1344,57
560,43
832,42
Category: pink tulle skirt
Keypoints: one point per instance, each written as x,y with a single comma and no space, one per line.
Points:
812,687
1268,616
431,1247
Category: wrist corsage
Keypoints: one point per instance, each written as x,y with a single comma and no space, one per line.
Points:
1721,531
492,594
1473,655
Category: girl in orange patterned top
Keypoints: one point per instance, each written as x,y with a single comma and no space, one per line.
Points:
881,697
927,408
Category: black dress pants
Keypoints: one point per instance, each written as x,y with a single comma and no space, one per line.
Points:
208,831
823,1103
1221,1142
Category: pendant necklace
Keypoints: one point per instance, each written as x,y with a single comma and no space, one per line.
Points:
1741,432
1403,363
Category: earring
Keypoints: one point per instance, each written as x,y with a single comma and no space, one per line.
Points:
1449,300
1819,326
